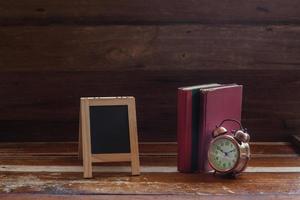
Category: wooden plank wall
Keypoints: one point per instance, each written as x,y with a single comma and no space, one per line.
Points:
52,52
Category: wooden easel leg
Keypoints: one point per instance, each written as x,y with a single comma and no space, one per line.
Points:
87,169
80,138
80,147
135,165
134,146
86,140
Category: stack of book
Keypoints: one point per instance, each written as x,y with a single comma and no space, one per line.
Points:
200,109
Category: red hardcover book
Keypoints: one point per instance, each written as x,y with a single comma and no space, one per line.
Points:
217,104
188,126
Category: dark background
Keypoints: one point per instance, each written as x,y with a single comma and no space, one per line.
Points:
52,52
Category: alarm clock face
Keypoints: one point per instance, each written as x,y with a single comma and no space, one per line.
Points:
223,154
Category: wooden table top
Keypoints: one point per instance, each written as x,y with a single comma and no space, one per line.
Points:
53,171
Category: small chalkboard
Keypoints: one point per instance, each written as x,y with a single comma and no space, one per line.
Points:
108,132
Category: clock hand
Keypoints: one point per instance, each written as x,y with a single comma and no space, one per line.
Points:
223,151
231,151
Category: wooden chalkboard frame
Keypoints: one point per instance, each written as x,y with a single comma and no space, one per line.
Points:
85,135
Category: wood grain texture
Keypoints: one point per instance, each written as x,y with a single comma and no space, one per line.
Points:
130,48
54,52
147,197
41,106
59,185
34,12
151,184
151,154
146,149
127,169
266,161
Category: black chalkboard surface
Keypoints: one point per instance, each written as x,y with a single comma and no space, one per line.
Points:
109,129
108,132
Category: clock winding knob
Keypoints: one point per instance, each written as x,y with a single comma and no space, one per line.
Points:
242,136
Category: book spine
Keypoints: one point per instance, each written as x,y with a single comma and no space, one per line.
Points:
202,132
184,131
201,129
